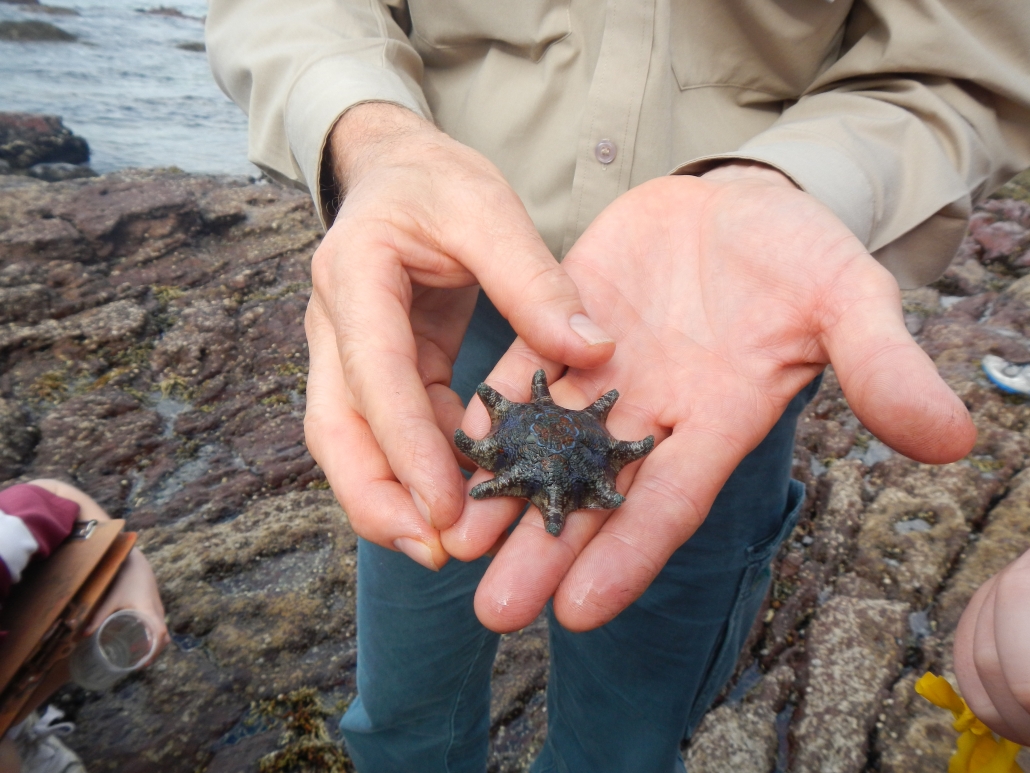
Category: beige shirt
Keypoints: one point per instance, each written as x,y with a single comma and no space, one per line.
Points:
897,114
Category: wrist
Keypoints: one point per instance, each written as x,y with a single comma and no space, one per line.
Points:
367,133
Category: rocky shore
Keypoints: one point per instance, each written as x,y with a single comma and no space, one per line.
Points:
152,352
41,147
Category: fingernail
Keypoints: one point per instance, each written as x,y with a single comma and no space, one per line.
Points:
588,331
416,551
421,506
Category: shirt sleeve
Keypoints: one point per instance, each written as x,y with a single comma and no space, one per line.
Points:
925,111
33,522
296,67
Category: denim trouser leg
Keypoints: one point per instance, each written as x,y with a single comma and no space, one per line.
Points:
621,697
424,660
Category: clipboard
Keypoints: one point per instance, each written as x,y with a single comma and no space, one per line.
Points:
47,613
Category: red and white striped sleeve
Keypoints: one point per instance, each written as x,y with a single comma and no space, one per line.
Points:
33,522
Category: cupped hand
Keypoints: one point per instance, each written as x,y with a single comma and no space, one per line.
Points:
726,295
992,652
425,220
135,587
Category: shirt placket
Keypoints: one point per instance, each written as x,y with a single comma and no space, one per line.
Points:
604,157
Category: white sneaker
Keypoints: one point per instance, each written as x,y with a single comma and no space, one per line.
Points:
1010,377
40,750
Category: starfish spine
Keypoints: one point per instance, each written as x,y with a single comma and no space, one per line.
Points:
625,451
541,394
509,483
496,403
603,405
483,452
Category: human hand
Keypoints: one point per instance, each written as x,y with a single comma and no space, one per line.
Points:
135,587
726,295
425,219
992,652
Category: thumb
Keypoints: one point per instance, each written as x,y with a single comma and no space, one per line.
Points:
531,289
890,383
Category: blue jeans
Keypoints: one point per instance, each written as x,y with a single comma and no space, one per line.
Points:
619,698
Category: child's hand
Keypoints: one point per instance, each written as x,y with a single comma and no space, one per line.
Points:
134,588
992,652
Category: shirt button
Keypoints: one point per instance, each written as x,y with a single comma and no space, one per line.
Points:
605,151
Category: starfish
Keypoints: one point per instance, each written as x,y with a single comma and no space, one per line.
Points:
559,459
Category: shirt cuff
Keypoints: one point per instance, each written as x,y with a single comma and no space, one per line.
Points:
324,92
819,170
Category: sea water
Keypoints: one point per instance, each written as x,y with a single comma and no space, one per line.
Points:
126,87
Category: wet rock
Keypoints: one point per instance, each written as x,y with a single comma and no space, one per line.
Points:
38,7
5,167
1004,537
919,736
120,217
33,31
908,540
95,327
57,171
27,139
18,438
998,238
164,10
53,10
27,303
853,649
742,736
44,240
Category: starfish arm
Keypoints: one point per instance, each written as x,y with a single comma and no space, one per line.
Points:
603,405
541,394
554,506
625,451
496,403
605,497
508,483
483,452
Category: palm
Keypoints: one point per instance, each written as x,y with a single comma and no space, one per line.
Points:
724,301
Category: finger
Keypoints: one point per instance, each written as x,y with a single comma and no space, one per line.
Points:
668,500
526,284
342,443
1003,708
135,587
969,684
448,409
379,360
528,568
1012,639
890,383
482,523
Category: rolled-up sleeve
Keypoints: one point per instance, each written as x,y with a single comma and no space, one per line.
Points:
925,111
296,67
